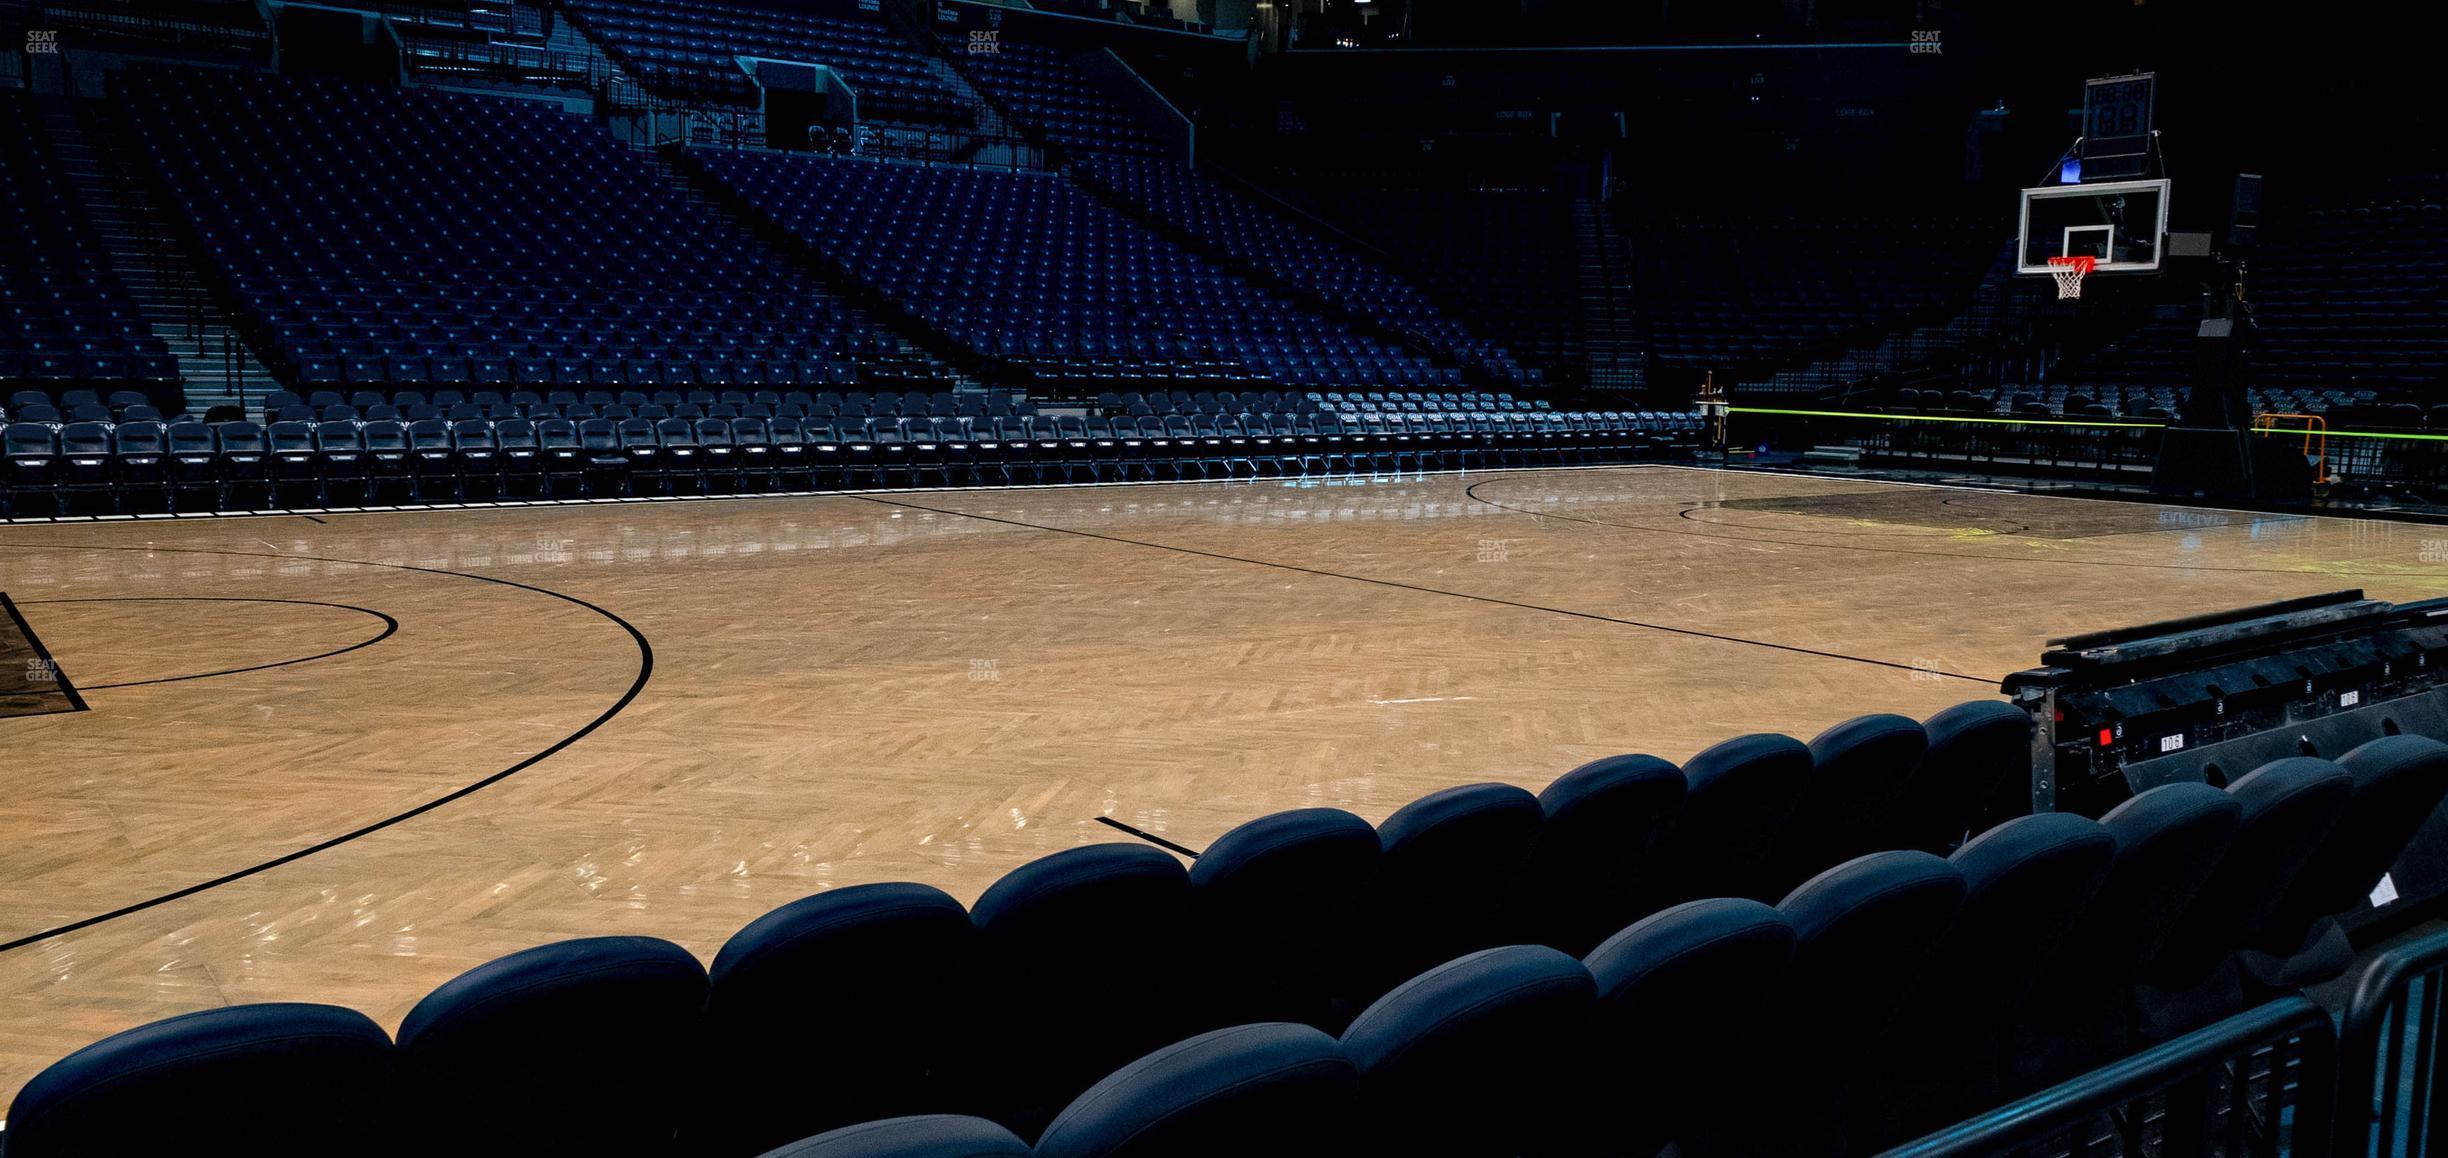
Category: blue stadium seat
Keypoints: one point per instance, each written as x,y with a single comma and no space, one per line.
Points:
918,1136
1858,769
1977,752
2398,784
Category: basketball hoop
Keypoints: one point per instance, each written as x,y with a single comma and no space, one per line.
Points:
2069,272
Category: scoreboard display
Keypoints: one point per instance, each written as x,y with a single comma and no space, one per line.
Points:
2117,122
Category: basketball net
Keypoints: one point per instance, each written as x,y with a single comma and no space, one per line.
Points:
2069,272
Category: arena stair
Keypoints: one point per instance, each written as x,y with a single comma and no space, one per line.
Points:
1616,352
215,366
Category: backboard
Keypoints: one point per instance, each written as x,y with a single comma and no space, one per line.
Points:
2121,225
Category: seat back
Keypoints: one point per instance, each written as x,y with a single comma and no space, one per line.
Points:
2398,783
1465,1058
499,1060
1737,797
917,1136
1248,1089
1682,995
878,965
1273,907
1858,769
1444,880
1093,927
1977,753
1599,829
299,1080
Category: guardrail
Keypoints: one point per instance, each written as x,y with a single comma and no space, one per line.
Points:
2263,1082
2390,1072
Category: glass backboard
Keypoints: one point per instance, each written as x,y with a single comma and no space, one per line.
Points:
2122,225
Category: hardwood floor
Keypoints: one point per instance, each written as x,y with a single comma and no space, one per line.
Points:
343,761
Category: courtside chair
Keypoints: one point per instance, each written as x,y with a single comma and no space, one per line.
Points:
2169,839
917,1136
2193,979
1467,1058
1273,904
2025,883
1682,999
509,1058
1444,884
1268,1088
1979,757
138,450
833,1009
1596,842
1737,796
1863,934
2398,784
280,1080
1091,936
1858,769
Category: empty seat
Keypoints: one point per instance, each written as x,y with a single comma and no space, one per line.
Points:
288,1079
1465,1059
1863,934
918,1136
1682,995
878,965
2398,783
2193,978
2025,883
1978,752
1600,826
1093,933
510,1057
1858,769
2168,841
1737,797
1273,904
1444,880
1270,1088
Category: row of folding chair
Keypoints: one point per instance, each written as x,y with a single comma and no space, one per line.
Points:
138,467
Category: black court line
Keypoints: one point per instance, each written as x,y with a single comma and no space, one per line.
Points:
1472,491
390,628
1425,590
645,672
60,682
1147,836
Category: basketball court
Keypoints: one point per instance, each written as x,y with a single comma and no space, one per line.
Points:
344,757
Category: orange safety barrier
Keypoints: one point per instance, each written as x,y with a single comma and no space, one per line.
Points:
2315,431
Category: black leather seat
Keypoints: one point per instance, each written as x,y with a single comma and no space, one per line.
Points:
2193,979
1466,1058
1682,996
1979,753
2398,784
2169,839
283,1080
1273,904
1095,930
1863,934
2026,882
509,1057
830,1010
1269,1088
1444,883
1737,798
1587,871
1858,770
918,1136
